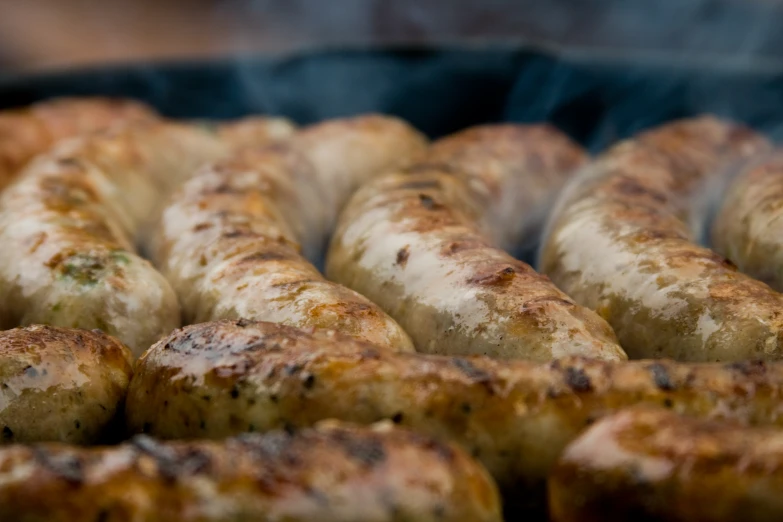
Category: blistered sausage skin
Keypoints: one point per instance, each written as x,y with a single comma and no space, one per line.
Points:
622,241
231,240
217,379
32,130
748,227
423,243
654,465
70,222
60,384
332,473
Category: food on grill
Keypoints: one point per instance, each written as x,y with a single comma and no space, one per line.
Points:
621,242
32,130
644,464
60,384
230,240
748,228
426,239
420,242
218,379
333,473
69,224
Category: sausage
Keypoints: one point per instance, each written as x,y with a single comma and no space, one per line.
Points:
29,131
643,464
423,244
217,379
508,168
332,473
231,239
59,384
747,228
69,223
622,241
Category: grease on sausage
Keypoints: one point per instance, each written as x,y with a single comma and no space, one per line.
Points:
643,464
423,243
332,473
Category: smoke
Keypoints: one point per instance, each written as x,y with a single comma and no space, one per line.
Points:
601,70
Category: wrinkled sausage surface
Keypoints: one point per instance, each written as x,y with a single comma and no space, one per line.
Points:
748,227
423,243
332,473
60,384
32,130
70,223
231,241
217,379
654,465
622,241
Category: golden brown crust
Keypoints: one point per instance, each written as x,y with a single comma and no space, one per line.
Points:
422,243
656,465
748,226
60,384
214,380
621,242
229,242
510,168
70,223
333,473
30,131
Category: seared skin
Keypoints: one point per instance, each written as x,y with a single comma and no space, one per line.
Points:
423,244
333,473
217,379
230,239
622,242
69,224
27,132
514,171
654,465
59,384
748,228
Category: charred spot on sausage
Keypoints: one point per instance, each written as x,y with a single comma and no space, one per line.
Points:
402,256
497,276
428,202
577,380
661,377
67,467
748,368
473,373
368,451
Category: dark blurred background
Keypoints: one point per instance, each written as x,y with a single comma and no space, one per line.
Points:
46,34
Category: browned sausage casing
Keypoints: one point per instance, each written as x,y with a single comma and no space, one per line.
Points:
748,228
222,378
654,465
32,130
333,473
622,241
70,222
230,240
60,384
424,243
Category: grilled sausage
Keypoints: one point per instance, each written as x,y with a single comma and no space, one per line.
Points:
230,240
653,465
32,130
333,473
217,379
620,243
748,226
59,384
422,243
69,224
